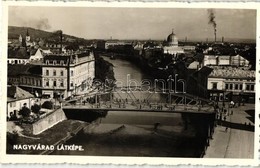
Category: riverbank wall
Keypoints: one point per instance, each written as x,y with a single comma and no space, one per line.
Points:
64,139
50,120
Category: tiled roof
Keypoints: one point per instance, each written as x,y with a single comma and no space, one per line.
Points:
18,69
65,58
16,93
231,72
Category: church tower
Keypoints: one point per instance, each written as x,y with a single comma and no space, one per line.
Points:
20,39
28,38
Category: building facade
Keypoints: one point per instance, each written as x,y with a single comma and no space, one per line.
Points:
227,60
171,47
228,82
59,76
16,99
67,75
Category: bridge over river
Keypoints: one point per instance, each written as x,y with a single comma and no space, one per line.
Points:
127,99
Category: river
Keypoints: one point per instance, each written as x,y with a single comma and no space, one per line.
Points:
135,133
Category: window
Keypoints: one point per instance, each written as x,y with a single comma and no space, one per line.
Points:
47,62
54,83
54,62
12,104
61,84
230,86
61,62
214,85
240,86
247,87
47,72
71,73
71,84
61,73
236,86
226,86
252,87
54,72
47,83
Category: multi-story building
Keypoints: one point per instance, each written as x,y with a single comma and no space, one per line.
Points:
226,82
55,75
28,77
235,60
114,43
58,76
65,75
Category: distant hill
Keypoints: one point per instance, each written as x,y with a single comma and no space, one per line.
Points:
14,33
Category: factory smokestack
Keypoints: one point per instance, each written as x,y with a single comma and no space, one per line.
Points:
213,22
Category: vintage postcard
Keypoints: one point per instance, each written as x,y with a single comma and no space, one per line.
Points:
130,83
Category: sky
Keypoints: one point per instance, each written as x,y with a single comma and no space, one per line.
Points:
136,23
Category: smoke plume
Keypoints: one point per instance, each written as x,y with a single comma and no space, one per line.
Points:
212,21
42,24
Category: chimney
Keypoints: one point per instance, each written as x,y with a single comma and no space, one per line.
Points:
215,34
60,42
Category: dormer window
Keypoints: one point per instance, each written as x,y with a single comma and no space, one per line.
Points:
61,62
54,62
47,62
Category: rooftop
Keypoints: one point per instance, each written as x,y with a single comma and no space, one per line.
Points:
18,69
16,93
231,72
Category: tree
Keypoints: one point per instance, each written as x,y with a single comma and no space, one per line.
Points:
36,108
25,112
47,105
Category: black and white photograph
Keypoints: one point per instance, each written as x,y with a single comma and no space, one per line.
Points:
142,82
